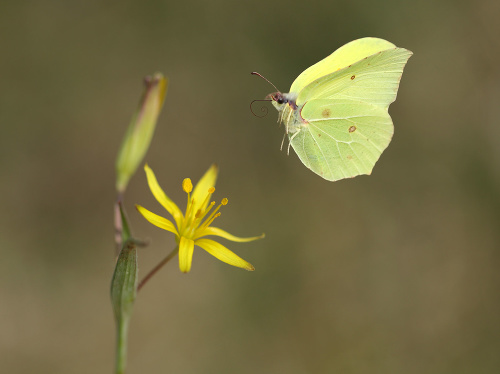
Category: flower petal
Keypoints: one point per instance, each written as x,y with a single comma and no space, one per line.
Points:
186,247
222,253
162,198
157,220
201,190
224,234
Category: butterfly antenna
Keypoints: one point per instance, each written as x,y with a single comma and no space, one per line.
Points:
267,80
263,109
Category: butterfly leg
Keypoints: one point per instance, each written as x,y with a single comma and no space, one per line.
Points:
290,142
283,141
289,115
288,121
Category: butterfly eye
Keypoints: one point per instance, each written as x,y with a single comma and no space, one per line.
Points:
280,100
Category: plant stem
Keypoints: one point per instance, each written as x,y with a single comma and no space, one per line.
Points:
121,345
118,225
158,267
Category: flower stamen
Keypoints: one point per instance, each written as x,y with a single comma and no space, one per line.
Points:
211,190
209,220
214,214
187,186
201,214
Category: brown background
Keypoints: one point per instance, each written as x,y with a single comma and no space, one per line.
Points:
392,273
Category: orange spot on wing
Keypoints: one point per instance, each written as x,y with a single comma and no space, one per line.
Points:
326,113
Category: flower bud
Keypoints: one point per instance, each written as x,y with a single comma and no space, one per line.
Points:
140,131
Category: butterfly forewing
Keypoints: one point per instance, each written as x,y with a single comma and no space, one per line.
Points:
373,80
346,55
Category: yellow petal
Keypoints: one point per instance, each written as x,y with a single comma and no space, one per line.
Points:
186,247
222,253
224,234
201,190
157,220
162,198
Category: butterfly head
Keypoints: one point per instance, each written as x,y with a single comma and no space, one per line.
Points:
280,100
277,98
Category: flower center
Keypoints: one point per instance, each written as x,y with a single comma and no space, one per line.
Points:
198,220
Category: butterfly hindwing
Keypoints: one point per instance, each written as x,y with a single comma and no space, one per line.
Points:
343,138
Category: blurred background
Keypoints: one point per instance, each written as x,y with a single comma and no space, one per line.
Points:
396,272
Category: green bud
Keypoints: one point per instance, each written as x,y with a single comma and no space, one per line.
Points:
140,131
123,294
124,283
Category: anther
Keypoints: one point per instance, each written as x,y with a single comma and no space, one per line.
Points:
187,186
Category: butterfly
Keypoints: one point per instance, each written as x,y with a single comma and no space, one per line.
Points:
336,113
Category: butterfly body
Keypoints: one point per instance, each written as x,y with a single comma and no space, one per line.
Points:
289,112
336,113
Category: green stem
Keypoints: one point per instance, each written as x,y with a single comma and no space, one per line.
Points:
158,267
121,345
118,226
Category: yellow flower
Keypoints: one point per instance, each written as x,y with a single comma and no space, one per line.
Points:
191,227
